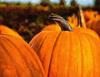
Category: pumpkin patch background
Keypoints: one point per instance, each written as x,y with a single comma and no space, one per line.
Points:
49,39
30,18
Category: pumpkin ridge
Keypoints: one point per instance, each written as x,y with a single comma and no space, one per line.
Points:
42,42
94,71
21,56
24,59
5,34
1,44
53,51
44,53
69,57
37,63
4,30
93,59
90,41
91,35
82,59
31,44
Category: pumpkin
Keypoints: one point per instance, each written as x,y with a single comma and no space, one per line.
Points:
90,14
17,59
4,29
95,26
93,20
52,27
68,53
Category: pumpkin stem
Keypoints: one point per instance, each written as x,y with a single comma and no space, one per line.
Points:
82,22
61,21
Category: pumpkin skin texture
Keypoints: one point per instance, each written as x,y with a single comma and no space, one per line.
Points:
88,31
52,27
56,27
68,53
5,30
17,59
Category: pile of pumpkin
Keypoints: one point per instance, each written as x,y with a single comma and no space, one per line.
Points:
92,20
59,50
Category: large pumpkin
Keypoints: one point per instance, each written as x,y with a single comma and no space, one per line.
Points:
17,59
68,53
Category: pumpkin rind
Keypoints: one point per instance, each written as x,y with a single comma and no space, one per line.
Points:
5,30
17,59
52,27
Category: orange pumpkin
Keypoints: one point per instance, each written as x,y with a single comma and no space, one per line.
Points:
68,53
52,27
95,26
93,20
90,14
5,30
17,59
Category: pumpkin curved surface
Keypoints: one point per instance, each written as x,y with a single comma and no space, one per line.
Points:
68,53
5,30
17,59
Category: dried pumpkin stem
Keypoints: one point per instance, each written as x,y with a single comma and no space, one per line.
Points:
82,22
61,21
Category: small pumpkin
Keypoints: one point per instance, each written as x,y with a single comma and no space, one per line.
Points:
5,30
68,53
52,27
93,20
17,59
90,14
